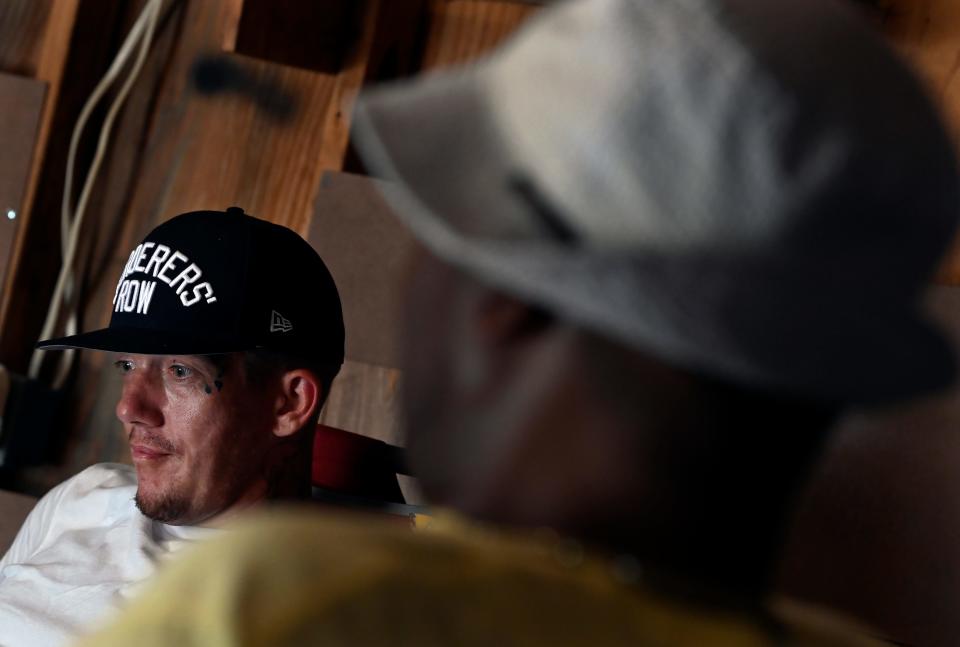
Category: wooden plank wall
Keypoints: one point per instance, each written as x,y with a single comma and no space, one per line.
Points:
177,149
22,23
460,30
21,104
35,37
22,27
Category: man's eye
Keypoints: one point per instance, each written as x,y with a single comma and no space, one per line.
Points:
180,372
123,365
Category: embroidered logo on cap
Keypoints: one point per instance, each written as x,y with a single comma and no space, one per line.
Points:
136,295
279,323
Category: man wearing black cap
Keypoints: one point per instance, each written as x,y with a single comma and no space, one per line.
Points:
228,332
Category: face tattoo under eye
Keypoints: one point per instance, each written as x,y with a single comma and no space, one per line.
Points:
218,381
205,381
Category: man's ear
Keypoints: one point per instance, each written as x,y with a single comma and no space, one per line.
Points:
503,332
299,397
502,320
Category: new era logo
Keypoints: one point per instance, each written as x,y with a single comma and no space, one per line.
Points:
279,323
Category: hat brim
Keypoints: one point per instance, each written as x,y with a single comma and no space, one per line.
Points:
142,341
452,192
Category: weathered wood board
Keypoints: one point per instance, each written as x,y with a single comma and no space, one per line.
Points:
21,105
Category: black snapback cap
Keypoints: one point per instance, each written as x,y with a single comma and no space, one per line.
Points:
210,282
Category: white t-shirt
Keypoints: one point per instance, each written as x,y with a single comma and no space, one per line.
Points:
84,549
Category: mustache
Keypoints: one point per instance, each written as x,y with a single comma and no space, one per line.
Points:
151,439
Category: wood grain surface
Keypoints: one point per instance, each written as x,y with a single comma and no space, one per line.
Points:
365,399
462,30
41,53
21,104
22,27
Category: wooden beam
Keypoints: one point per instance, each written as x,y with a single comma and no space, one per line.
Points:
462,30
50,66
315,35
21,104
22,24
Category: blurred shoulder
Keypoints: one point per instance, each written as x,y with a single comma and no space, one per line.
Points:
312,577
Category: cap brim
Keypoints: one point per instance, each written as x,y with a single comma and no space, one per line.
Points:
141,341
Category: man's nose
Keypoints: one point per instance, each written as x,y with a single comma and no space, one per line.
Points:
140,400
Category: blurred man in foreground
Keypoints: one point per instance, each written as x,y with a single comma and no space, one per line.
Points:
670,242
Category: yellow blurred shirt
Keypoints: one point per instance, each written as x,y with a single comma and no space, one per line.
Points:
315,578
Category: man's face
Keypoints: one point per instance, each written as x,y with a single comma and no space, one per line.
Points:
428,391
454,436
199,434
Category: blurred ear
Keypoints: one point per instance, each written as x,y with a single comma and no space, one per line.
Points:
504,338
299,396
502,321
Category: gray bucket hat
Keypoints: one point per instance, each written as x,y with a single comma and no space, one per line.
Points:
754,189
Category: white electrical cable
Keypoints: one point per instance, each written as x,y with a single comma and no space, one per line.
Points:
144,26
149,15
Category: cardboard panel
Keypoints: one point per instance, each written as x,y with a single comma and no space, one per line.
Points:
21,100
366,249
